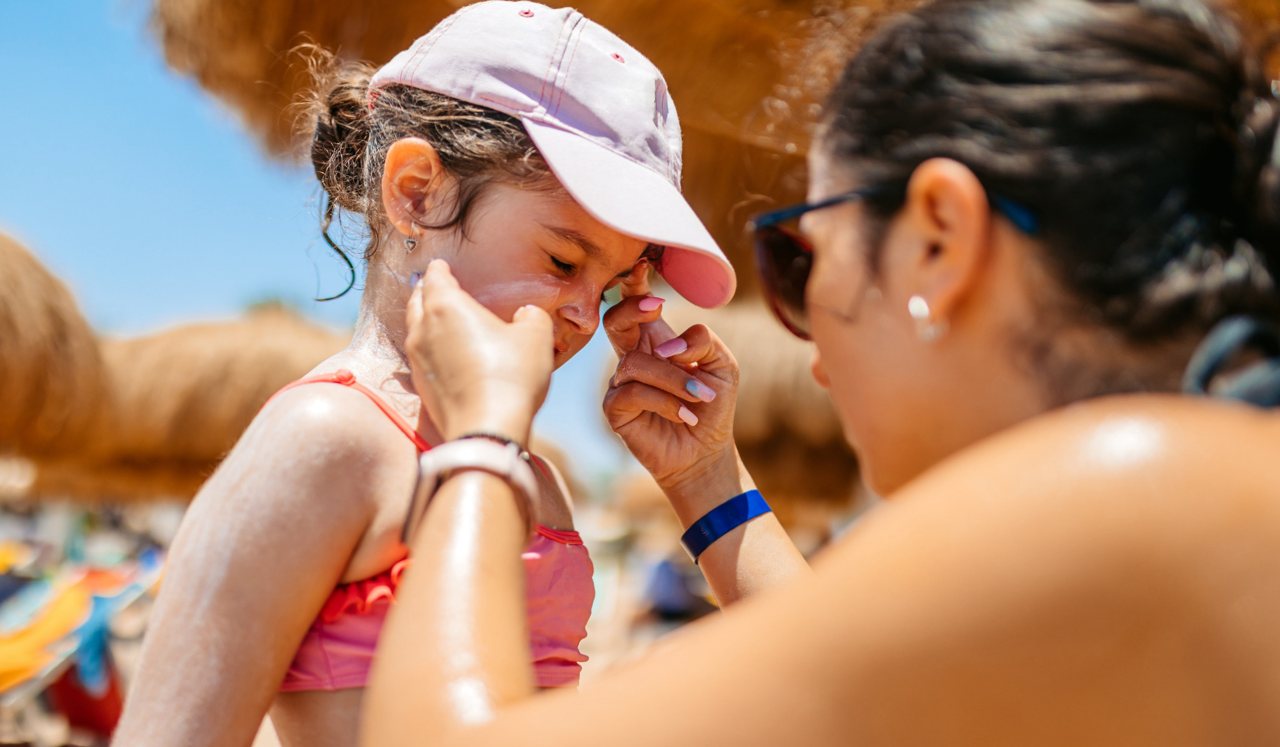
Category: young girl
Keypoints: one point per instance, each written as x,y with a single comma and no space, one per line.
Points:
540,156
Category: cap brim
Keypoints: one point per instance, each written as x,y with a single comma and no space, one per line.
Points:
634,200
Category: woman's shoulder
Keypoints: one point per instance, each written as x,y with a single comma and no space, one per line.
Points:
1123,474
1125,446
1106,558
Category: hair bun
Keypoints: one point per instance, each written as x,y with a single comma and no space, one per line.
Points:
342,134
1260,171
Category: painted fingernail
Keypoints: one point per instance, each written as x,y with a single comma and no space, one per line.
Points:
687,416
700,390
670,348
651,303
413,280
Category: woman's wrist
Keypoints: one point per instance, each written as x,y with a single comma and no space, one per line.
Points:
512,425
495,416
707,485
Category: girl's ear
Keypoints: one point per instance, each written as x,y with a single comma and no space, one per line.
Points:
412,182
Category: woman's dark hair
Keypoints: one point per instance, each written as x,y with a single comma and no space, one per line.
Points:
477,146
1142,133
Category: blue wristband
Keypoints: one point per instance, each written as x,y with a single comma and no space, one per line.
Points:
721,520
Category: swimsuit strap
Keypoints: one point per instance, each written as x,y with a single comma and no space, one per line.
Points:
346,378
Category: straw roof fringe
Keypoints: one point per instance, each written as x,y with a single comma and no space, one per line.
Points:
114,482
175,403
51,373
186,395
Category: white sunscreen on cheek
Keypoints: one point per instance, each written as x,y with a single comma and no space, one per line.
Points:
525,290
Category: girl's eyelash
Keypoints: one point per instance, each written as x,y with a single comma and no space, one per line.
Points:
564,267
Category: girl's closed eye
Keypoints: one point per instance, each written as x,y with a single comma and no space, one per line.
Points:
564,267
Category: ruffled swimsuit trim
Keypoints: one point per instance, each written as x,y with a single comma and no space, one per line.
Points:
359,597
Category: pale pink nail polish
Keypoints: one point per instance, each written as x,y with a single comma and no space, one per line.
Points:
652,303
687,415
670,348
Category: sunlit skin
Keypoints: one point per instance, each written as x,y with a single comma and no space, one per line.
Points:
315,492
1096,574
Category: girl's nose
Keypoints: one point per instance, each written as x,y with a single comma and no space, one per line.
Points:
583,314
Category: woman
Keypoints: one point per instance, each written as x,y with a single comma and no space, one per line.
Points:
540,155
1024,214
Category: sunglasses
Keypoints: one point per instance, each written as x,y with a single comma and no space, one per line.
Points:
785,259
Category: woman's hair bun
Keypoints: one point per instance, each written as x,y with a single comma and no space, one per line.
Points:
1260,171
341,137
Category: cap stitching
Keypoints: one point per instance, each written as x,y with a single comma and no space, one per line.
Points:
564,69
546,77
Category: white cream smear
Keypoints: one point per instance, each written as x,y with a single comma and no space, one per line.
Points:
526,290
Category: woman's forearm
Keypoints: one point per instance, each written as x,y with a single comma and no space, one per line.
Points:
454,648
751,559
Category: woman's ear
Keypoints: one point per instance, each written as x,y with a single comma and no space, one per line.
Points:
949,221
412,182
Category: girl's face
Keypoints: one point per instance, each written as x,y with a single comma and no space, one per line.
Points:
539,247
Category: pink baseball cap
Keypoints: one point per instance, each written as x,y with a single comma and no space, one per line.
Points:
597,110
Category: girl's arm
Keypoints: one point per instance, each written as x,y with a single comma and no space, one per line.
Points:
260,550
650,400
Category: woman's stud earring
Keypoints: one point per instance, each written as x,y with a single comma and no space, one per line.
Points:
926,329
410,244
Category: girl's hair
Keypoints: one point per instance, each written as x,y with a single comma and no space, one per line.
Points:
477,146
1141,133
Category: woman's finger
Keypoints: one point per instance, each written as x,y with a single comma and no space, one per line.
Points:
646,369
625,403
534,321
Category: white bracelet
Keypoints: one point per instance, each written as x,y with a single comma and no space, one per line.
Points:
477,453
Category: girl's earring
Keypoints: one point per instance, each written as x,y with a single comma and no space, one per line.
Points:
410,243
927,329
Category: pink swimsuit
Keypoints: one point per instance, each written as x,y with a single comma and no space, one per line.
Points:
338,649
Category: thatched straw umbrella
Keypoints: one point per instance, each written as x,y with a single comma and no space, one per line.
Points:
51,373
179,400
1262,19
743,74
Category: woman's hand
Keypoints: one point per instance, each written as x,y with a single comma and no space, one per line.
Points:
672,401
475,372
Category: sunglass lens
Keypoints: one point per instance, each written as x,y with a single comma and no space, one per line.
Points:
785,261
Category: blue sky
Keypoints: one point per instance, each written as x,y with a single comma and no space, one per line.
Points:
156,208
